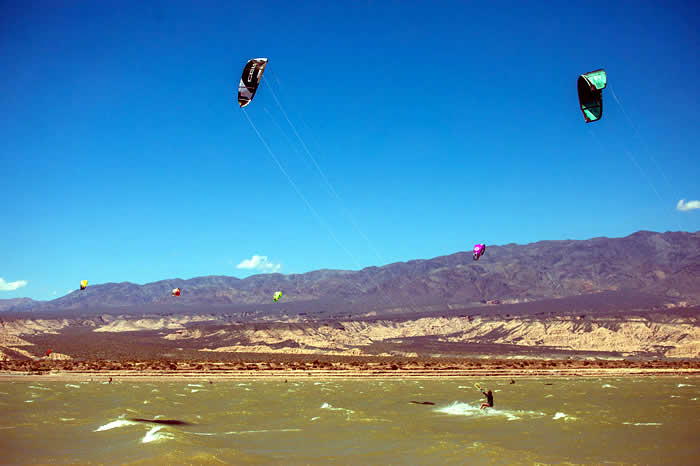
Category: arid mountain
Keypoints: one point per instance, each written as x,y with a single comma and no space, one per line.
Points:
632,297
662,265
18,304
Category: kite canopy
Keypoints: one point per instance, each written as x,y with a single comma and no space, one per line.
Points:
590,94
83,284
278,295
48,352
176,292
252,74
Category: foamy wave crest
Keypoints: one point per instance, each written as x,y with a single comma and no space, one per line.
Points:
261,431
643,423
330,406
114,425
70,385
607,385
155,435
465,409
685,385
563,416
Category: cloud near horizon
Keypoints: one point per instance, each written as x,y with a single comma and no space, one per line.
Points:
11,286
259,263
685,206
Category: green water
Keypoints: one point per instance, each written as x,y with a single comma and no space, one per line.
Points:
354,421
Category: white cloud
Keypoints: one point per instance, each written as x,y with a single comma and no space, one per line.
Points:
259,263
690,205
5,286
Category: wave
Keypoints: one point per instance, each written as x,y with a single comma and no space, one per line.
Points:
465,409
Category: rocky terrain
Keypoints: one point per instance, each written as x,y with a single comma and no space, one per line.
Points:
665,333
632,297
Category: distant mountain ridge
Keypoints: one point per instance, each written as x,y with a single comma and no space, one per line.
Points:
17,303
660,264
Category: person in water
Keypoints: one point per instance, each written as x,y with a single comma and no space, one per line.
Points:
489,399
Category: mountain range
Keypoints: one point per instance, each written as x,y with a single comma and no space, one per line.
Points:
665,266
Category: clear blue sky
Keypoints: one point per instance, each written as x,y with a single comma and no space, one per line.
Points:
125,157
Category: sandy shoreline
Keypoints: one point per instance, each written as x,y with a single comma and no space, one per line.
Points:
8,376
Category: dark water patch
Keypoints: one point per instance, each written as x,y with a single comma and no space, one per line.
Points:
168,422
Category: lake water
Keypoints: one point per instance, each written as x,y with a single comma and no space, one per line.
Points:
353,421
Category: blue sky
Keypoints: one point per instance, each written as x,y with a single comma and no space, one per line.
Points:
430,126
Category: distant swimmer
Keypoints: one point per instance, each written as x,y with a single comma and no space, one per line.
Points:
423,402
110,380
489,399
512,381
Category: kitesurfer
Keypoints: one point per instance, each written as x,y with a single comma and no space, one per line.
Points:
489,399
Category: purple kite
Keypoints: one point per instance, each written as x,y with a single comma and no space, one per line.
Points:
479,250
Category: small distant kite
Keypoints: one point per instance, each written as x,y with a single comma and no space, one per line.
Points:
83,284
277,295
479,250
48,352
252,74
176,292
590,94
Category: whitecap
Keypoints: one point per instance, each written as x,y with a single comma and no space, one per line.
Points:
563,416
685,385
67,419
329,406
155,435
608,386
465,409
643,423
261,431
194,385
114,425
70,385
548,396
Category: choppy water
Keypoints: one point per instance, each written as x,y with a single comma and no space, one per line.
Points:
354,421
